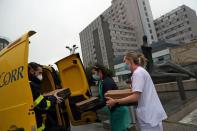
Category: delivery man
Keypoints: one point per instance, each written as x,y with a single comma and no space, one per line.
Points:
41,103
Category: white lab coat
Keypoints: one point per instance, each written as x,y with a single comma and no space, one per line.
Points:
149,112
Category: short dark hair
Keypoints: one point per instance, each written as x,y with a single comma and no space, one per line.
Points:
34,66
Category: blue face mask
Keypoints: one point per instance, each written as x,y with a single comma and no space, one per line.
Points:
96,77
126,66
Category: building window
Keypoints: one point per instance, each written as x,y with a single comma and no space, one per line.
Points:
152,37
177,19
144,8
160,59
183,9
192,35
189,29
149,25
143,3
146,14
156,29
150,31
147,19
188,22
185,16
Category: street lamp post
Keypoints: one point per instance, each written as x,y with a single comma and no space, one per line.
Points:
72,50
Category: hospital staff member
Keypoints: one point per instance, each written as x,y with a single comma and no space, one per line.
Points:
149,112
120,119
42,104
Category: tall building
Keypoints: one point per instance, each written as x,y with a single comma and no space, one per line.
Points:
93,43
133,12
3,43
102,42
178,25
117,30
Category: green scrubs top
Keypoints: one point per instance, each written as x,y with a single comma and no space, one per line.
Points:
120,118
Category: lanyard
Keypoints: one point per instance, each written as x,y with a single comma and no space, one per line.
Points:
100,89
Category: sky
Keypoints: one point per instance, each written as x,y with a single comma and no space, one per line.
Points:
59,22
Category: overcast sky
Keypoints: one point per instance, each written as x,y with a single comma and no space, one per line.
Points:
58,22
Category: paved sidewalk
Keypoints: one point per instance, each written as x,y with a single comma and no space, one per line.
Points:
89,127
190,118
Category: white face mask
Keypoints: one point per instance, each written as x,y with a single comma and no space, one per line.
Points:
40,77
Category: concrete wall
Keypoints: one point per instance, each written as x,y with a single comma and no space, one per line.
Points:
184,54
172,86
167,87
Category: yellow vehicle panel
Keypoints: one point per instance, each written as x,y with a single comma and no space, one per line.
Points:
16,101
72,76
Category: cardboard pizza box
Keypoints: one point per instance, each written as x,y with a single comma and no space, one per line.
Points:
94,103
92,99
64,93
118,94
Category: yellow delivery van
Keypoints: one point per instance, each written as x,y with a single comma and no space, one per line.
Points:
16,101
